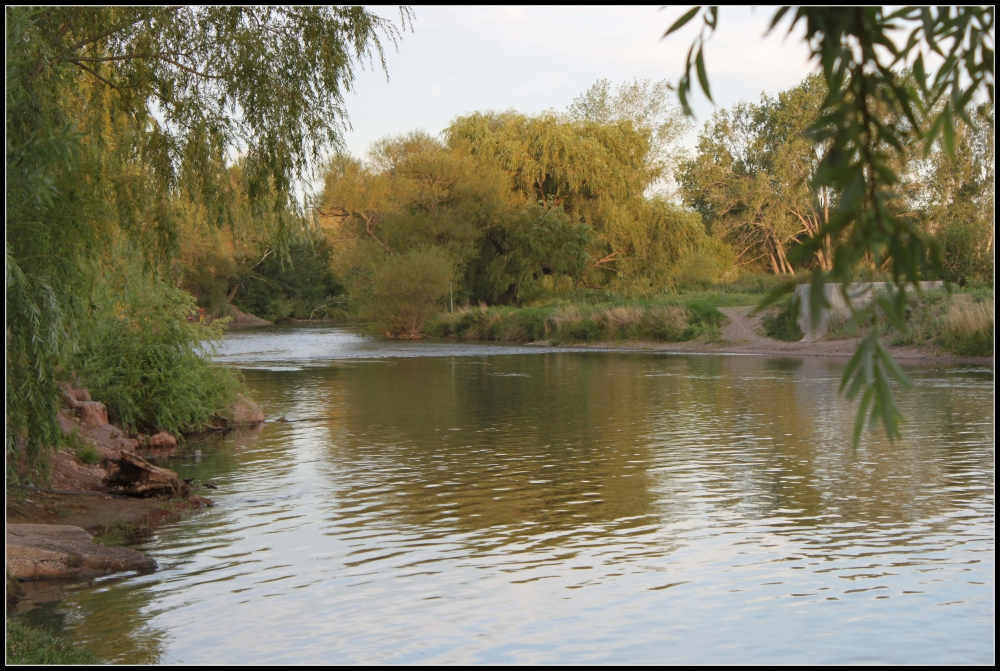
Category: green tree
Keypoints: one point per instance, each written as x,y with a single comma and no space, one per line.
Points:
597,172
112,112
868,94
517,256
650,107
751,179
955,194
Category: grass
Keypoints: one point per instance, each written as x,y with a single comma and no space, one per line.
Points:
960,323
666,319
968,328
88,454
27,644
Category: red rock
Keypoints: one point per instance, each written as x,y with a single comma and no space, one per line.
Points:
93,413
37,551
162,440
66,423
67,473
245,412
109,441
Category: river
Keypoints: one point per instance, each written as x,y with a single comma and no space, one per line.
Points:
479,503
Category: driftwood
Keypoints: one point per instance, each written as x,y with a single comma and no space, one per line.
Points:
137,477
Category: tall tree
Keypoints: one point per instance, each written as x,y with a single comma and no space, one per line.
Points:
596,171
650,106
751,179
110,112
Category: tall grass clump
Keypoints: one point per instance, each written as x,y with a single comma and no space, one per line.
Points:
960,323
968,328
146,362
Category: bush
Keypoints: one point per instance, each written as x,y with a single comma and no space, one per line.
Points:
783,324
405,291
146,362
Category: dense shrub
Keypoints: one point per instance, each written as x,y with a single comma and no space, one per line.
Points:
144,360
405,291
783,323
300,285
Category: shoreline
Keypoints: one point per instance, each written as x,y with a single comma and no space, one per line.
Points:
742,335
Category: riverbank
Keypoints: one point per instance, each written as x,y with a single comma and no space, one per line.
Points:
743,333
100,483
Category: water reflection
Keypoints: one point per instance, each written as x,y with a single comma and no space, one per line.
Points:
476,505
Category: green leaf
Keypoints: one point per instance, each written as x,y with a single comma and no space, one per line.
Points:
893,366
702,75
679,23
777,18
775,294
859,420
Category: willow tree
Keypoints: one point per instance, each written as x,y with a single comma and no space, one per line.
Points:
650,106
596,171
111,112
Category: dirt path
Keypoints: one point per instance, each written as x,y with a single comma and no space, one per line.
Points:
744,334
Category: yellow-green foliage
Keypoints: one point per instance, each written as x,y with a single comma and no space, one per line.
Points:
959,323
598,172
671,322
145,361
405,291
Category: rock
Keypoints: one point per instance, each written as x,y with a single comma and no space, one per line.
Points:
69,400
66,423
67,473
109,441
73,398
162,440
37,551
196,500
93,413
245,412
137,477
238,318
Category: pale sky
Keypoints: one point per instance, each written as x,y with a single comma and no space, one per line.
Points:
459,60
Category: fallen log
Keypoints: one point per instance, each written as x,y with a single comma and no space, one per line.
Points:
137,477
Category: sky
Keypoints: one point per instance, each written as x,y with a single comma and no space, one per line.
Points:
459,60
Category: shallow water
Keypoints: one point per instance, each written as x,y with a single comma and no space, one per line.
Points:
455,503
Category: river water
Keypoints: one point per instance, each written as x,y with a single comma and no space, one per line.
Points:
458,503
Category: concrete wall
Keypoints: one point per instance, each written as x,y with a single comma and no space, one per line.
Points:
858,295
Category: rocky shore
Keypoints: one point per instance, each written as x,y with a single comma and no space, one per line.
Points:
49,529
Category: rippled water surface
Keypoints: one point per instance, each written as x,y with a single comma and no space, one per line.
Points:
472,503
